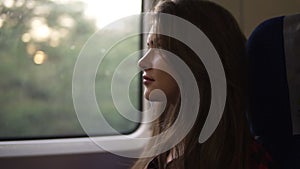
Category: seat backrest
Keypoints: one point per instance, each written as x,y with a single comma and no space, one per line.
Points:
274,64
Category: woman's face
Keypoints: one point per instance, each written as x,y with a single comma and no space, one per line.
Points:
153,63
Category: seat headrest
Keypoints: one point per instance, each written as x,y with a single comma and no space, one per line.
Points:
269,93
274,67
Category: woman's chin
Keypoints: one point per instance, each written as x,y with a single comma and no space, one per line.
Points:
147,95
155,95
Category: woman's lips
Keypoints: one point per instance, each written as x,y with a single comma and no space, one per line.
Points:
147,80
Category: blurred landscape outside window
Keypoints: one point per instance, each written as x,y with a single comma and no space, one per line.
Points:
40,41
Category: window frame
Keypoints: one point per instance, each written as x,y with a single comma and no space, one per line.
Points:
71,145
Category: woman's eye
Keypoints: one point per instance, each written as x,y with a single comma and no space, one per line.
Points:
152,44
149,45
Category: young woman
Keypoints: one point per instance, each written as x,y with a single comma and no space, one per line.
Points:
231,145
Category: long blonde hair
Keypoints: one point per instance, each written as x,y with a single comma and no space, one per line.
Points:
228,147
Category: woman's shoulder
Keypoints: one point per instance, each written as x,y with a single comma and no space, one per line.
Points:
153,164
260,157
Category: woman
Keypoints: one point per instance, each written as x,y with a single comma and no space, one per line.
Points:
231,145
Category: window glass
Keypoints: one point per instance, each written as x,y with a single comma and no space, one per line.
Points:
40,41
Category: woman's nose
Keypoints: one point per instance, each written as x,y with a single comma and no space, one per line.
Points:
145,62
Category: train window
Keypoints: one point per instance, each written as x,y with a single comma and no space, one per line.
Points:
40,42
